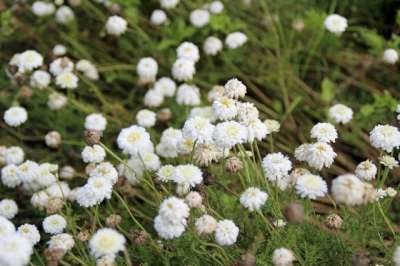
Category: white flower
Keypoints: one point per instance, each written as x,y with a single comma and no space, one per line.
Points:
204,112
188,174
186,146
188,95
39,199
88,69
174,210
52,139
206,224
396,256
9,176
166,85
247,112
324,132
30,232
166,172
15,116
235,89
391,192
15,250
311,186
134,140
61,65
94,154
153,98
189,51
14,155
215,93
54,224
272,125
106,242
279,223
183,69
199,18
116,25
6,227
96,190
283,257
317,155
228,134
366,170
106,170
235,39
340,113
168,4
276,166
59,50
216,7
8,208
146,118
40,79
171,136
224,108
335,24
390,56
67,80
29,60
95,122
64,15
158,17
253,198
226,233
388,161
59,190
255,130
145,161
41,8
385,137
194,199
62,241
212,45
168,230
56,101
147,69
348,189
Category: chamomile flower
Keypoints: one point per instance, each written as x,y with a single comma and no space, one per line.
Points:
224,108
61,65
228,134
194,199
255,130
199,18
199,129
8,208
147,69
106,170
42,9
146,118
212,46
226,233
106,242
6,227
205,112
67,80
134,140
216,7
348,189
14,155
15,116
40,79
29,60
88,69
215,93
153,98
205,225
166,173
64,15
340,113
318,155
388,161
206,153
54,224
276,166
324,132
188,95
116,25
247,112
30,232
366,170
9,176
53,139
56,101
93,154
272,125
167,230
335,24
169,4
188,174
15,250
95,121
174,210
235,40
311,186
158,17
253,198
64,242
283,257
165,85
390,56
385,137
59,50
189,51
183,69
235,89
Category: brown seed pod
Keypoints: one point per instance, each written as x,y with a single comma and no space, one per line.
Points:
294,213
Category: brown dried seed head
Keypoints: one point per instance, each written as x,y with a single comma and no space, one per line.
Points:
54,205
83,236
139,237
233,164
92,136
294,213
53,256
333,221
113,220
164,115
247,260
